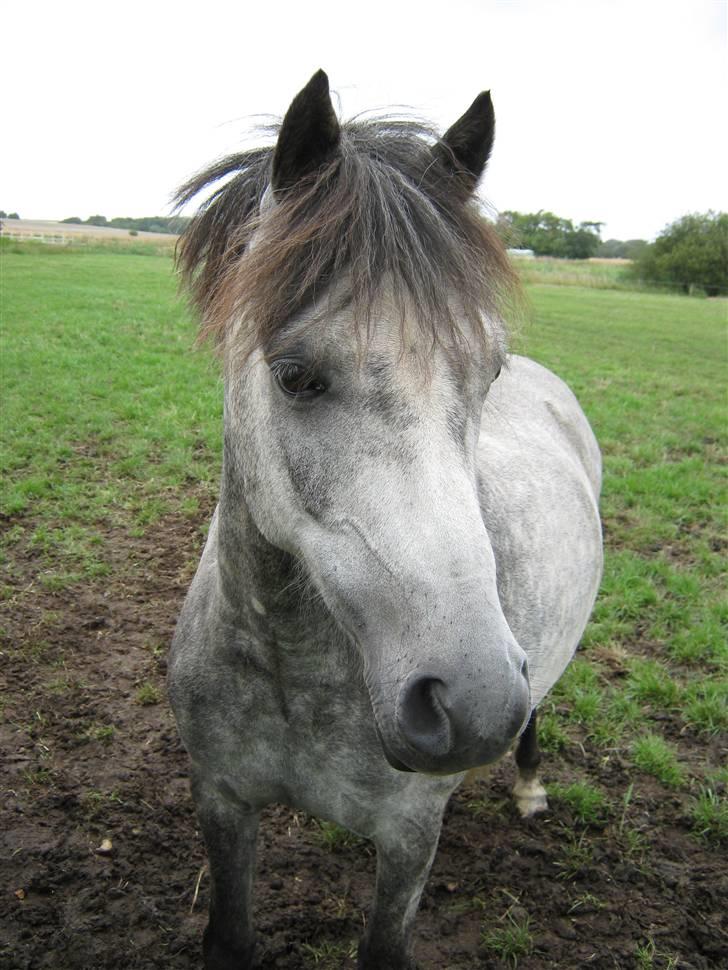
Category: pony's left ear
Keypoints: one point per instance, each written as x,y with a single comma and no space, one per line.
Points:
309,135
464,149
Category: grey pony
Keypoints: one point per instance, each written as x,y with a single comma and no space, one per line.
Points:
403,559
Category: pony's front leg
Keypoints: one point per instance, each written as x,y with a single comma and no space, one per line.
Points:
404,857
230,830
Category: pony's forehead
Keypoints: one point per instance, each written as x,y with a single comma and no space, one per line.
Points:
390,332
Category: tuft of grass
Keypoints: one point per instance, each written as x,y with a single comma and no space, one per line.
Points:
586,802
333,837
469,904
581,690
576,855
656,756
706,707
551,736
484,809
38,777
327,955
103,733
651,683
710,816
148,694
586,902
95,802
646,954
510,939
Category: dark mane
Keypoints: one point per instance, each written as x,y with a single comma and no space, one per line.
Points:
386,208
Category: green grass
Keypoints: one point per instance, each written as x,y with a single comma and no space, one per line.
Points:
333,837
576,855
657,757
327,955
710,815
148,694
650,372
648,957
510,938
603,274
587,803
574,272
109,418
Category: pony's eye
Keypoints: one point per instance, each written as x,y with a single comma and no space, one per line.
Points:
295,380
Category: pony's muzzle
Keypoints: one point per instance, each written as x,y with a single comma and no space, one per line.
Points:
443,729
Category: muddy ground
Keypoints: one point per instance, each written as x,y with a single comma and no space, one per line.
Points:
90,754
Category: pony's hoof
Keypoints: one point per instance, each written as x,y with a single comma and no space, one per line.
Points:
217,955
368,959
530,798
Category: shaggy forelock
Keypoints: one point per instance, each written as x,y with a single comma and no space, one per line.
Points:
384,210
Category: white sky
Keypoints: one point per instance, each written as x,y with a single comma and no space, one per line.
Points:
611,110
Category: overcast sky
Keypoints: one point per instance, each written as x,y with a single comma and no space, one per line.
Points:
609,110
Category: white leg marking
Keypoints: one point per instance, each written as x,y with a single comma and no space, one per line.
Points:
530,796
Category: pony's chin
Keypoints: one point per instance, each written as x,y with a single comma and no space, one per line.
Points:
469,760
395,762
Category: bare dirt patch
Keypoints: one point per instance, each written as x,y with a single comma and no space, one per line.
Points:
103,866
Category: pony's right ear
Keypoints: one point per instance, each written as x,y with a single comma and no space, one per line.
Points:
465,148
309,135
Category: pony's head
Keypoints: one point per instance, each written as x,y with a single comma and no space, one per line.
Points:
357,297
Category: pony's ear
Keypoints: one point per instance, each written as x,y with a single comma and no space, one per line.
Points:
309,135
464,149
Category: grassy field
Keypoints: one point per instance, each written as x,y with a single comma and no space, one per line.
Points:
111,422
650,371
108,414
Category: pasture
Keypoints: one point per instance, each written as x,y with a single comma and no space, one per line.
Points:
110,455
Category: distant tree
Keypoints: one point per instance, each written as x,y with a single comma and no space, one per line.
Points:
13,215
634,248
550,235
620,249
73,219
96,221
610,249
690,252
583,242
3,214
164,224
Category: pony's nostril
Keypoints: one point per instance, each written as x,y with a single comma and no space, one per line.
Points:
423,717
524,668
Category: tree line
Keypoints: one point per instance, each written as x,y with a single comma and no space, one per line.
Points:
690,253
172,225
547,234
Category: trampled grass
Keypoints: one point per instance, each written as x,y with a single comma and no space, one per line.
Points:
110,419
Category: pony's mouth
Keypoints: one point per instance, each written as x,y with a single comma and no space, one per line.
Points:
391,760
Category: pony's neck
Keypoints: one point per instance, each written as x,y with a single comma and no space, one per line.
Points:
267,596
257,579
